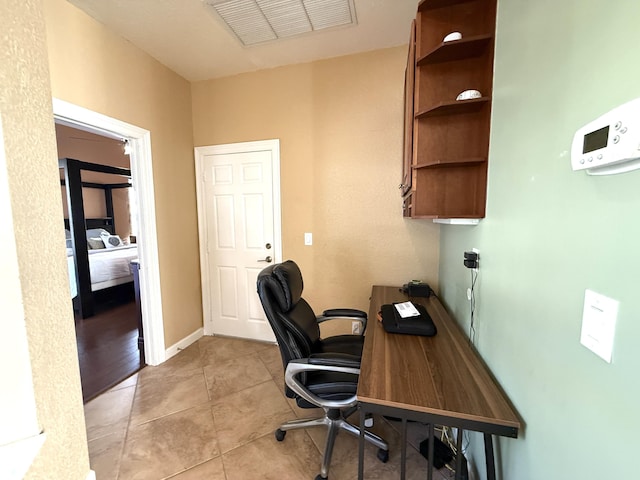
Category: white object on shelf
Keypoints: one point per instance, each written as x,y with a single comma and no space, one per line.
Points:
469,94
452,36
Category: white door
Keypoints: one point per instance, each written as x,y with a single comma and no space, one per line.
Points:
239,220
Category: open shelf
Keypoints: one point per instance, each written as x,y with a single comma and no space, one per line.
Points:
454,108
454,192
444,163
457,50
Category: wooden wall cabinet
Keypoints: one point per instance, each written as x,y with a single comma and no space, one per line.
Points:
447,140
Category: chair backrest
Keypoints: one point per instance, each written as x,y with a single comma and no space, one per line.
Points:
291,317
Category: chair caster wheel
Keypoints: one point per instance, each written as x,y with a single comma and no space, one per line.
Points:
320,477
383,455
280,435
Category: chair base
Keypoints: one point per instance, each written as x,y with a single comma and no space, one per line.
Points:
335,421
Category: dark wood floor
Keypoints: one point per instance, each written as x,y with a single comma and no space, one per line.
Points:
107,347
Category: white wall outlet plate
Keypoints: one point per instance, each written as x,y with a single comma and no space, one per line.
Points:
599,324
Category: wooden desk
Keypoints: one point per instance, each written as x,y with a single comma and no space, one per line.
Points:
436,380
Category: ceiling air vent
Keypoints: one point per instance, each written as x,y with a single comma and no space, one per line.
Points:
258,21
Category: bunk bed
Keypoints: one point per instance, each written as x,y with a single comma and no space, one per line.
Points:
93,269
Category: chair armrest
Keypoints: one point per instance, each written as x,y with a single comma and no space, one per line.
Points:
302,365
344,313
335,360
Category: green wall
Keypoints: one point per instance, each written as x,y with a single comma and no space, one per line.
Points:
549,234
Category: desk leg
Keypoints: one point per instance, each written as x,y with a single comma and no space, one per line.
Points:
459,454
488,453
403,450
361,447
430,453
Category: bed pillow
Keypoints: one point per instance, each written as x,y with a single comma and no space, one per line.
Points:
111,241
96,232
95,243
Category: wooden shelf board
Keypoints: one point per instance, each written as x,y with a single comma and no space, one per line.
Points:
450,163
457,221
436,216
454,108
433,4
456,50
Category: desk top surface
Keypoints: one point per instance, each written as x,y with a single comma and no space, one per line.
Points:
440,375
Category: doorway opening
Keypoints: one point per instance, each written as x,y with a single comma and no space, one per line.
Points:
139,141
100,260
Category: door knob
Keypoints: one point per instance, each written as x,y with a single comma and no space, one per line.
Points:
268,246
267,259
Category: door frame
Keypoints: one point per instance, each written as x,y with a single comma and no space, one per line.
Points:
142,175
272,145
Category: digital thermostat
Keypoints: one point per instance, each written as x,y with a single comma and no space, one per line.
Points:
610,143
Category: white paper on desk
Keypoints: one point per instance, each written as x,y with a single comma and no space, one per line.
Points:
407,309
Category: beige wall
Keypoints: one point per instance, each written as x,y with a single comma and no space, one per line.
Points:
25,106
94,68
339,122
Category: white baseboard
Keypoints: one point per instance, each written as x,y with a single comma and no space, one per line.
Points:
91,475
184,343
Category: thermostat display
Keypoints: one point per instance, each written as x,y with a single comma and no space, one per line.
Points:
609,144
596,140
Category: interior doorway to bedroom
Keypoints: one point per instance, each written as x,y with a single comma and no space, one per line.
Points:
99,202
87,120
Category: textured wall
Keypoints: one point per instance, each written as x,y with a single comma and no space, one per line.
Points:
25,106
549,234
339,122
96,69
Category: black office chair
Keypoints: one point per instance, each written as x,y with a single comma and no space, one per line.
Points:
318,372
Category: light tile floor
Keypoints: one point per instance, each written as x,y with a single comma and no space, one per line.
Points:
210,412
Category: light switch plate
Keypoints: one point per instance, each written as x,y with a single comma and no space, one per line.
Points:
599,324
308,238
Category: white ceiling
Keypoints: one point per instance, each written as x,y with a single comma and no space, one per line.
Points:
189,38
